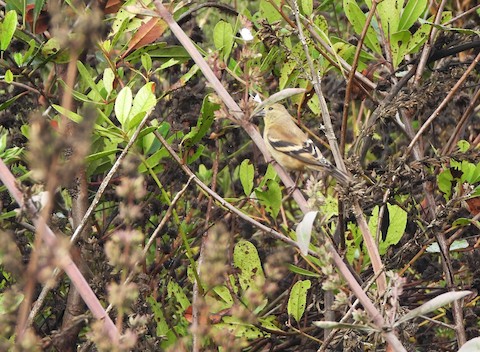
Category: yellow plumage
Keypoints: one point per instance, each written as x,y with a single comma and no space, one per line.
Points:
291,147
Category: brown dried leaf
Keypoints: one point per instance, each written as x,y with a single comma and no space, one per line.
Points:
146,34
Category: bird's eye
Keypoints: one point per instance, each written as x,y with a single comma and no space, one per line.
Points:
270,108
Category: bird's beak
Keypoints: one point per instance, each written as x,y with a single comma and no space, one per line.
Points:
257,115
260,113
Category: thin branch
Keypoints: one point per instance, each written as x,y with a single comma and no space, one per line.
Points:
350,80
444,103
229,10
463,14
462,123
22,85
429,43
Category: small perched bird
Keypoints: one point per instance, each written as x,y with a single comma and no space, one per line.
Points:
291,147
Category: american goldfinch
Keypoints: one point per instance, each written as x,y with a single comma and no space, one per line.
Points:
291,147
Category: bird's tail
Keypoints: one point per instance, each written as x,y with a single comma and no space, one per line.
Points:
342,177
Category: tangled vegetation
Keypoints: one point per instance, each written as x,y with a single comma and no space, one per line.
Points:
140,210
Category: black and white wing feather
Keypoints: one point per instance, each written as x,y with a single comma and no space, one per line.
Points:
307,152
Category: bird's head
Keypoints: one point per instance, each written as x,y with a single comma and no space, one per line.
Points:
275,112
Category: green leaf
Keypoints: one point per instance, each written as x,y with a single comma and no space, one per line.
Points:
18,58
113,133
418,38
460,244
236,327
134,121
146,62
353,242
198,153
270,323
10,101
247,172
399,43
329,208
397,222
224,181
270,174
87,77
187,76
204,174
154,160
157,309
17,5
396,228
475,177
144,101
3,142
269,12
475,192
444,181
450,29
169,63
160,52
9,26
411,13
271,198
8,214
287,73
462,222
269,59
123,105
297,270
31,48
421,35
298,299
203,125
307,7
224,294
219,297
246,259
79,96
389,12
147,138
463,146
108,79
8,76
101,155
175,291
470,171
358,19
304,231
70,114
223,38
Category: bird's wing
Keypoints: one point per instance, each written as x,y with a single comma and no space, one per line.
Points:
300,147
304,150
